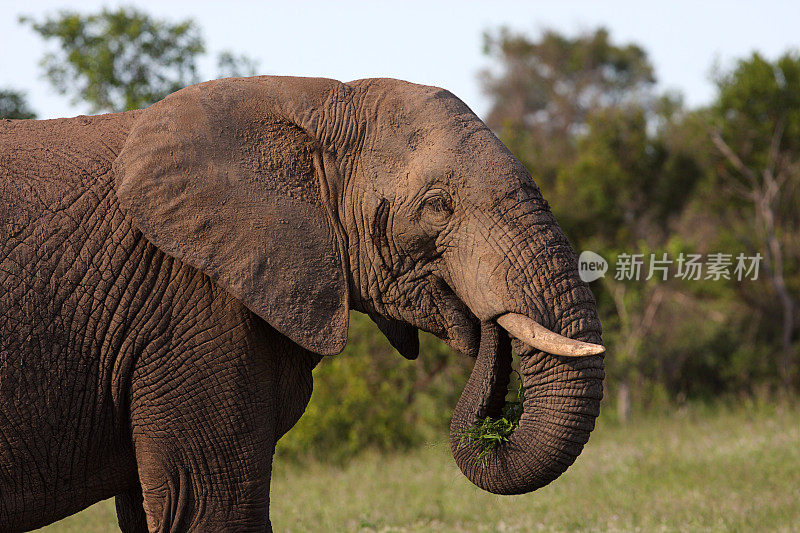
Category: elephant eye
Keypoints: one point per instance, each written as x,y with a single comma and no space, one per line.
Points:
437,206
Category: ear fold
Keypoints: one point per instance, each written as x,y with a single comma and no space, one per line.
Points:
404,337
216,176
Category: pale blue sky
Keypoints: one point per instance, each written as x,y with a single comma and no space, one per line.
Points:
437,43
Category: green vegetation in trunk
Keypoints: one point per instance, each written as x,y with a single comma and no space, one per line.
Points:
489,432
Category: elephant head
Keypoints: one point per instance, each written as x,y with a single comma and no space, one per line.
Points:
306,198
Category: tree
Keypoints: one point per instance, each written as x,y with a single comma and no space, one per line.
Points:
13,105
124,59
627,172
235,66
756,130
543,90
623,193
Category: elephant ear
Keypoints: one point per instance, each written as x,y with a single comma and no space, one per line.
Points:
219,177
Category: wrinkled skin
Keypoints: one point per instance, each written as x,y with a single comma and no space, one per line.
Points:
171,276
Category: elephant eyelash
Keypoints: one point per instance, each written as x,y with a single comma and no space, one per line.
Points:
439,203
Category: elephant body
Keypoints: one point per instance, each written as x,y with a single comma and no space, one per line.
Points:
113,352
171,277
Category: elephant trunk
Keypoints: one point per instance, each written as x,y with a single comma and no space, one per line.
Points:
561,401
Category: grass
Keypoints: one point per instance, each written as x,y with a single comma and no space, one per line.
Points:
489,433
697,469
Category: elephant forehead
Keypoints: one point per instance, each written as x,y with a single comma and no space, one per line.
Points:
424,136
475,160
413,116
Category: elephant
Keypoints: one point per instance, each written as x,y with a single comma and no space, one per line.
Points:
172,275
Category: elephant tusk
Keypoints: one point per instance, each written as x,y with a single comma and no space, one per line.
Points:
532,333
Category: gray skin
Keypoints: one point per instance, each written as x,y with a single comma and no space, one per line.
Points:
171,276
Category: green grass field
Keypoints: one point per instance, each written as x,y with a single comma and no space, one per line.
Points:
697,469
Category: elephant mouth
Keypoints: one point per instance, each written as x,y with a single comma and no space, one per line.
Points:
536,336
531,335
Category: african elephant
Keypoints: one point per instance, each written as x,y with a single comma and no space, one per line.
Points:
171,276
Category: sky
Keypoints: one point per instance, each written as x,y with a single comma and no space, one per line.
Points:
431,42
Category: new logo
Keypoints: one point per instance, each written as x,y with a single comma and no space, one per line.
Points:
591,266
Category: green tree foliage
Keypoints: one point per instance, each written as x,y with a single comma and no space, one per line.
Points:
756,132
623,192
544,90
235,65
625,180
14,105
123,59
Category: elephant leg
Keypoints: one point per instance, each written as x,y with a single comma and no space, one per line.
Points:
204,477
204,432
130,513
180,493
